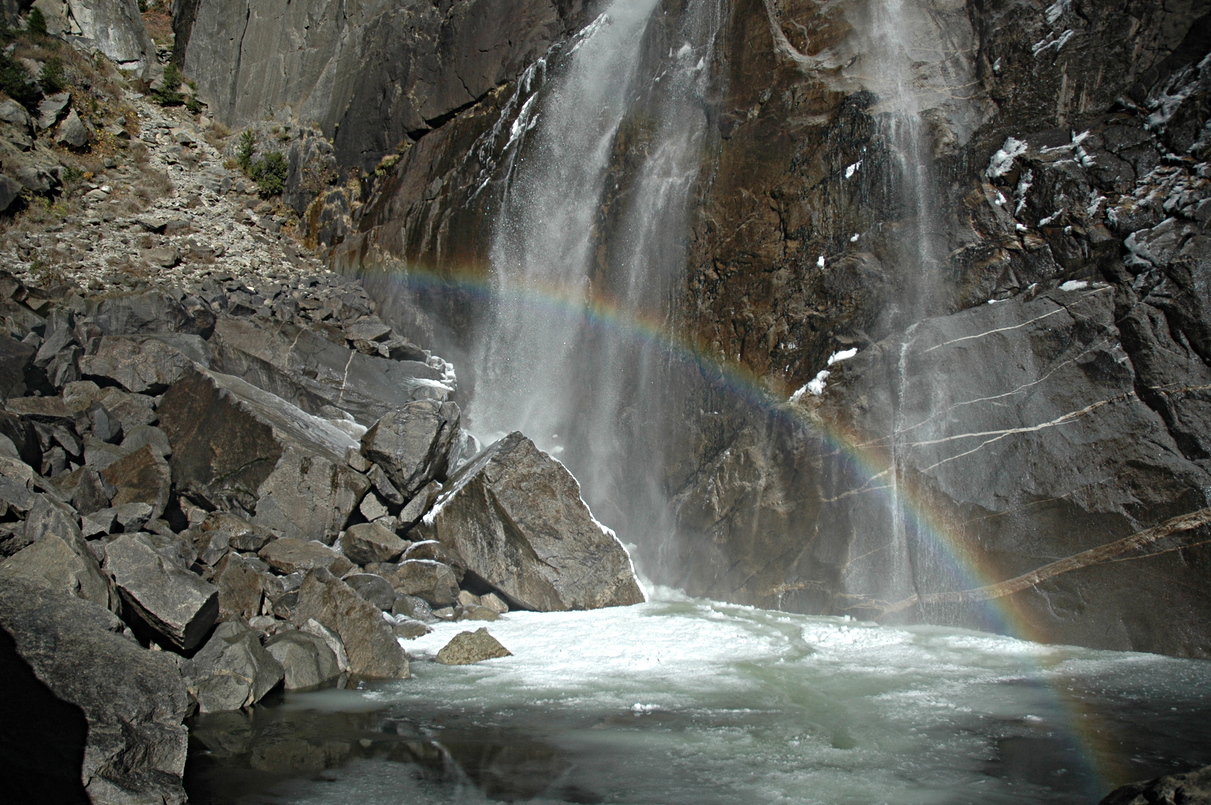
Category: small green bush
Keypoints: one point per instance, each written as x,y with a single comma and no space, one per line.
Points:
169,93
35,23
52,77
15,83
245,150
269,173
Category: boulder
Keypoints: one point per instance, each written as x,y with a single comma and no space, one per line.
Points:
412,444
406,628
302,366
149,312
367,638
91,714
1192,788
370,542
419,505
10,194
138,365
176,604
432,581
63,565
288,555
374,588
16,483
514,518
15,356
240,588
140,477
51,108
428,549
470,647
233,670
238,447
306,659
74,132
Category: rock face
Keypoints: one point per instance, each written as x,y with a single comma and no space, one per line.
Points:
369,77
107,712
514,518
113,27
1193,788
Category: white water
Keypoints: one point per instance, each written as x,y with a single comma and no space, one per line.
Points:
689,701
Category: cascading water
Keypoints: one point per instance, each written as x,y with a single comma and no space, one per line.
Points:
588,248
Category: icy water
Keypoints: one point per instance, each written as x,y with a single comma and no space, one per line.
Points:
697,702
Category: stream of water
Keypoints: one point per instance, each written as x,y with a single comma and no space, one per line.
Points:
690,701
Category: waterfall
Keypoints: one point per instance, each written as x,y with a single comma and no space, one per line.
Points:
588,250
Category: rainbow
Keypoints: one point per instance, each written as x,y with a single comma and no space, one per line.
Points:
868,458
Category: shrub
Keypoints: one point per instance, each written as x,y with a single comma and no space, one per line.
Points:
245,150
52,77
14,82
35,23
169,93
269,173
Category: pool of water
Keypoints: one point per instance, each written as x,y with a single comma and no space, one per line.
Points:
696,702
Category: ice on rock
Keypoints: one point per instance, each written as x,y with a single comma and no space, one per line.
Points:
1002,161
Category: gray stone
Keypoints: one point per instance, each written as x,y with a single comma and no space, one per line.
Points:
470,647
514,518
1192,788
428,549
382,484
10,193
494,602
412,444
419,505
238,447
289,555
97,704
51,108
147,436
306,659
369,542
60,565
410,606
16,483
14,114
140,477
74,132
138,365
240,586
233,670
374,588
331,640
92,492
114,27
475,612
369,641
432,581
174,602
14,355
409,629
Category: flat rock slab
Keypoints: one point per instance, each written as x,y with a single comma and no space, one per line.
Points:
368,639
471,647
369,542
138,365
514,517
288,555
94,704
177,604
241,448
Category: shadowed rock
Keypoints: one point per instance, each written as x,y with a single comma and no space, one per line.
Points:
374,588
367,638
233,670
514,518
138,365
305,658
412,444
370,542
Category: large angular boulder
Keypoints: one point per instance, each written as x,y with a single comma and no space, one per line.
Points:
432,581
304,367
142,476
177,604
370,542
368,640
238,447
138,365
514,518
288,555
412,443
91,715
470,647
232,671
241,587
60,564
306,659
15,357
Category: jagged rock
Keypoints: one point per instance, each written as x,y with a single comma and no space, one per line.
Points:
177,604
412,444
432,581
369,542
1192,788
128,410
51,108
288,555
494,602
367,638
382,485
146,436
14,114
16,482
64,565
410,606
233,670
223,531
10,193
114,27
14,356
470,647
514,518
146,313
331,640
74,132
420,504
140,477
138,365
236,446
240,588
306,659
374,588
95,717
373,508
308,370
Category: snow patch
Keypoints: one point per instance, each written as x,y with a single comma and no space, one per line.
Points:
842,355
1002,161
1074,285
852,169
854,238
820,262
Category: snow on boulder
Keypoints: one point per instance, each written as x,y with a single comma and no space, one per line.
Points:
514,518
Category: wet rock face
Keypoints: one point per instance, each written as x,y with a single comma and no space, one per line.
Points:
428,62
1193,788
